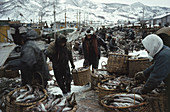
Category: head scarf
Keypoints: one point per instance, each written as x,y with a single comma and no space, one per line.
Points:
153,44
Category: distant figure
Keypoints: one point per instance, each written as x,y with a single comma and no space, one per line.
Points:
102,33
131,34
112,45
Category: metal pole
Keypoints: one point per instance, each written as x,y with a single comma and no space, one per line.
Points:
54,23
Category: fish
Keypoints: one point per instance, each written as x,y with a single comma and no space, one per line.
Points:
15,94
42,107
22,90
136,96
104,86
126,100
116,104
71,101
58,108
48,104
57,101
62,102
36,109
66,109
26,98
25,93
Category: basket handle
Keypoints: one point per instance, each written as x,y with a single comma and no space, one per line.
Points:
103,64
40,75
75,70
101,76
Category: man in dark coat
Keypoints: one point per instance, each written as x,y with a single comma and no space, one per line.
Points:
32,59
131,34
91,49
112,45
60,54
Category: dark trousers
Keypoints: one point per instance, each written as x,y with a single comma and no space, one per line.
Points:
26,77
63,80
94,63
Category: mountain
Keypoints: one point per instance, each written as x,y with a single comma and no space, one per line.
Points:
35,10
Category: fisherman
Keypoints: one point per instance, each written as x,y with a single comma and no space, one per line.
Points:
60,54
157,72
112,45
131,34
91,49
32,59
102,33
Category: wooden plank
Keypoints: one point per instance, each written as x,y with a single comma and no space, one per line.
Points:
5,52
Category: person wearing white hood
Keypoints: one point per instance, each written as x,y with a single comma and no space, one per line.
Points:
159,71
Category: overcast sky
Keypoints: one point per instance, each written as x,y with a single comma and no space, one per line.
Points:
164,3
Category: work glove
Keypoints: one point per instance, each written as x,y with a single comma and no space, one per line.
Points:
72,66
139,76
86,63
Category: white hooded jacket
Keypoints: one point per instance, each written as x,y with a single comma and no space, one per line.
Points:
153,44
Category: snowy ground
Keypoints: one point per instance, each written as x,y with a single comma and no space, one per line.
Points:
52,89
86,98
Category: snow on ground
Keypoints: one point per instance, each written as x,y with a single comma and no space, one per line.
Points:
140,54
79,63
76,89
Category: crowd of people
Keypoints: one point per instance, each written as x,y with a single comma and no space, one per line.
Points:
33,61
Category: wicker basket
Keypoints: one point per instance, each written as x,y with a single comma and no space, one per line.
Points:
158,103
20,107
117,63
142,107
38,80
102,91
136,65
9,73
95,79
82,77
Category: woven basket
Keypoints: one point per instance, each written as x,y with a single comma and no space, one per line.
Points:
142,107
37,79
117,63
136,65
11,73
81,78
96,79
20,107
158,103
102,91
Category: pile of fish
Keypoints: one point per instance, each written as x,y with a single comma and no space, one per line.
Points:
27,95
7,85
56,103
81,69
101,73
123,100
111,84
123,83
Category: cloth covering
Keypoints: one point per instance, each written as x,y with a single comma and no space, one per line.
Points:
153,44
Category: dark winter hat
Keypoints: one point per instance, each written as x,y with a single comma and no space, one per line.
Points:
62,38
18,33
89,32
31,34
